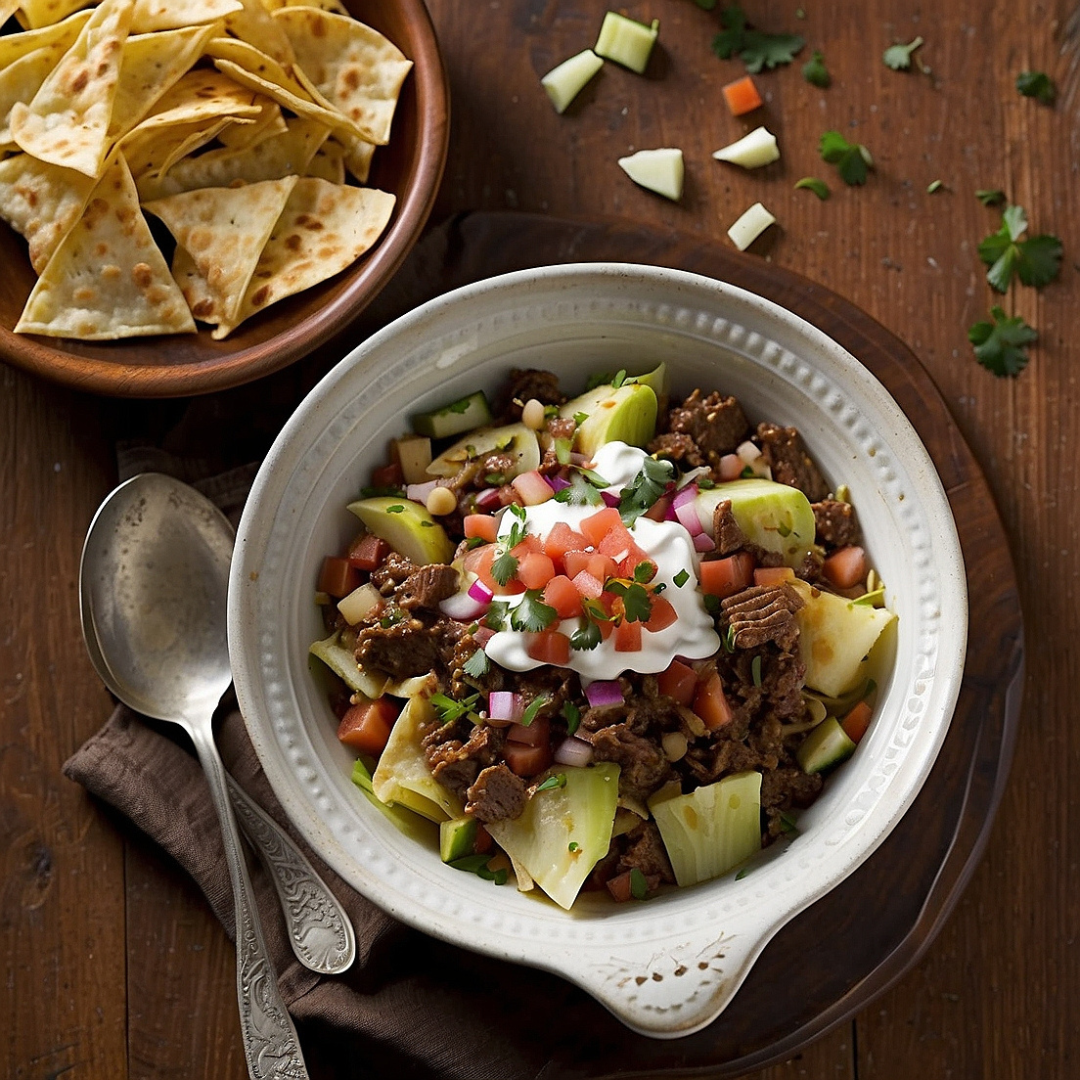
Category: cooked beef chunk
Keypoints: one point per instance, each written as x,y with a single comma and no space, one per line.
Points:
456,764
717,424
410,647
784,788
728,536
525,384
497,794
837,525
643,849
786,456
642,765
393,570
735,748
426,587
763,613
677,446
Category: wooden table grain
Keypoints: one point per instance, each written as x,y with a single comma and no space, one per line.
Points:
113,965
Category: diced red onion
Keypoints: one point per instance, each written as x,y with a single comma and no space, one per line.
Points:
703,542
610,498
557,482
573,751
420,492
689,518
685,494
488,499
604,692
505,705
480,592
748,452
463,607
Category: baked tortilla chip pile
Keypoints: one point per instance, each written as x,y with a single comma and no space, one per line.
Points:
247,127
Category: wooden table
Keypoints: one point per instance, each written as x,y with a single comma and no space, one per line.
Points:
114,966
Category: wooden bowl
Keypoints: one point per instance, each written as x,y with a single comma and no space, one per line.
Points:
410,166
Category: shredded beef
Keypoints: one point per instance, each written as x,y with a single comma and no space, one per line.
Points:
716,423
679,447
393,570
763,613
410,647
837,525
643,849
642,765
786,456
426,587
729,537
497,794
456,764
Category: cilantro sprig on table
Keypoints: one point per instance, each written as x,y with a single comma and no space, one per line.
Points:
1035,261
755,48
898,57
852,160
999,344
1037,85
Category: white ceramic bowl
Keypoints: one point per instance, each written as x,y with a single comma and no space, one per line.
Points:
668,966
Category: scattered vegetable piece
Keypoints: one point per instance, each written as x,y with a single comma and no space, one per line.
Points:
898,57
815,72
658,170
1036,261
812,183
750,226
564,82
1038,85
742,96
990,196
751,151
934,185
756,48
999,345
626,41
852,160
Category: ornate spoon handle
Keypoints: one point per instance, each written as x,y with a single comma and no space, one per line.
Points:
319,930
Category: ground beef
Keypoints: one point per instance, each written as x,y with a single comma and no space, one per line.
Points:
716,423
786,456
786,788
763,613
837,525
497,794
525,384
642,765
643,849
729,537
427,586
678,447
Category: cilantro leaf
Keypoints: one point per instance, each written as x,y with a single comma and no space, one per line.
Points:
476,665
448,710
812,183
478,864
532,709
1036,260
580,492
990,196
851,159
586,637
756,48
495,619
556,780
999,345
815,72
1038,85
504,567
645,489
639,887
898,57
572,715
532,615
681,578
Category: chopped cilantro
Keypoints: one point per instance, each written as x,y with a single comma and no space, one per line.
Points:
727,638
620,378
563,449
1038,85
572,714
712,603
1036,261
479,864
815,72
586,637
898,57
448,710
580,492
504,567
999,345
473,542
476,665
397,508
458,407
557,780
495,619
812,183
495,479
756,48
573,846
391,618
531,615
852,160
638,885
597,378
644,572
681,578
645,489
990,196
594,478
532,709
637,602
580,418
788,823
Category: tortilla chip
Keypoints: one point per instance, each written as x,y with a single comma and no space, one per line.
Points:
253,24
202,94
353,67
152,151
20,81
14,46
328,162
38,13
358,155
107,279
270,121
67,121
325,5
151,15
152,63
41,202
323,229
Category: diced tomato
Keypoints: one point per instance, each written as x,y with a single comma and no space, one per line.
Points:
606,629
661,616
483,842
561,593
586,585
710,704
628,636
773,575
602,567
618,543
658,510
857,721
483,526
726,577
527,545
367,551
549,647
678,681
538,733
574,562
526,761
388,476
628,568
845,567
337,577
535,569
482,569
742,96
596,526
620,887
366,725
562,539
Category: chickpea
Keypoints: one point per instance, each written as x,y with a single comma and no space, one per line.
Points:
533,414
441,501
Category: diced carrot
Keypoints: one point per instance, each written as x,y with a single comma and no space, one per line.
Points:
561,593
857,721
628,636
710,704
620,887
678,681
726,577
742,96
388,475
549,647
587,586
366,725
535,569
367,551
661,616
526,760
596,526
845,567
337,577
562,539
773,575
483,526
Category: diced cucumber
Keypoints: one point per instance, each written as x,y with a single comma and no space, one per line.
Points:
825,746
564,82
407,527
749,226
626,41
457,838
462,415
660,170
751,151
626,413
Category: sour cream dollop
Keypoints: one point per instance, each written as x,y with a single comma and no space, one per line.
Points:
692,635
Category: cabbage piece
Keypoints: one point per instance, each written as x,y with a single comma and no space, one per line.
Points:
402,775
713,828
341,660
564,831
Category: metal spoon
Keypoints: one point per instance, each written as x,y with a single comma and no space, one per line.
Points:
153,585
